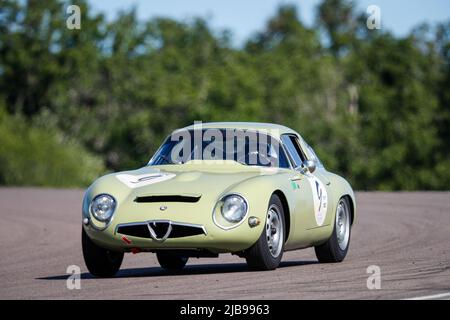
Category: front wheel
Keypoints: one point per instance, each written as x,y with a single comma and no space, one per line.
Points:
267,252
336,247
171,262
100,262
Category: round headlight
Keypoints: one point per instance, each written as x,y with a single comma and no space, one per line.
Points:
234,208
102,207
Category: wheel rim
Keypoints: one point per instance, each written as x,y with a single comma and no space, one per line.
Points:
274,231
342,224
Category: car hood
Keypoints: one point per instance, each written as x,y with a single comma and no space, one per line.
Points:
189,180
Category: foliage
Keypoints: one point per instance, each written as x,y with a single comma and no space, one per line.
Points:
374,106
35,156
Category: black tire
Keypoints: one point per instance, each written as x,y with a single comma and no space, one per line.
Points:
330,251
259,256
170,261
100,262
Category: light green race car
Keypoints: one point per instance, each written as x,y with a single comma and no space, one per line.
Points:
251,189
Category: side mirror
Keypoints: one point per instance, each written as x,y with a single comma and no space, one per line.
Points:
308,165
311,165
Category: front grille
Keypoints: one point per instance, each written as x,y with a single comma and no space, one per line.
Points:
167,198
179,231
160,228
140,230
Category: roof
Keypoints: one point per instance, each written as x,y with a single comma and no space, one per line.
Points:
274,130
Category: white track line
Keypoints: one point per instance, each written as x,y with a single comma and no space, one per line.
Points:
432,297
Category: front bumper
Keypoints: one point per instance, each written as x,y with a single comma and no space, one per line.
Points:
198,214
157,234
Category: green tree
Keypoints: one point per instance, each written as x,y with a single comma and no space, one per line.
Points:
374,106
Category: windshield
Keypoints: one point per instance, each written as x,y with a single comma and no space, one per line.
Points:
243,146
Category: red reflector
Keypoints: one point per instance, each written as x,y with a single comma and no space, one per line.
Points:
126,240
135,250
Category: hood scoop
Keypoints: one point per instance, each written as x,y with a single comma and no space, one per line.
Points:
136,181
168,198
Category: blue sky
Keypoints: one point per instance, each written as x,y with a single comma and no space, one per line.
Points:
244,17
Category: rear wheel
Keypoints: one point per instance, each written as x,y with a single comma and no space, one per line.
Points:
267,252
171,262
336,247
100,262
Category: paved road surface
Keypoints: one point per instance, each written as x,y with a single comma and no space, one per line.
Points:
406,234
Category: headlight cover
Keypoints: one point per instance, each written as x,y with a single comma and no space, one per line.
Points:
234,208
102,207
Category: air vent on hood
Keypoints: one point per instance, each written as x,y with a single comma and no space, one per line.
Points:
167,198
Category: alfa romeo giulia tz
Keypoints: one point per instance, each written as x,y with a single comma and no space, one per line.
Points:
250,189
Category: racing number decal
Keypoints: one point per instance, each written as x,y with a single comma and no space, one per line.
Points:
319,194
319,199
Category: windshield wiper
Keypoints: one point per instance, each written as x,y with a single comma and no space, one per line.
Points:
169,161
165,158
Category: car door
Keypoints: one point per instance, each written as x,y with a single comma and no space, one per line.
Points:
313,186
323,175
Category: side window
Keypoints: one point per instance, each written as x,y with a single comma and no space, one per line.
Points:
293,148
283,161
277,155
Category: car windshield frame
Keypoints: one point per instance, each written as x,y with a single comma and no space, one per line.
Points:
283,161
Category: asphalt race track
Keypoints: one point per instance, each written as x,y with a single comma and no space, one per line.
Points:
406,234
